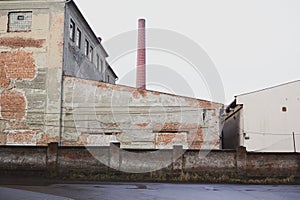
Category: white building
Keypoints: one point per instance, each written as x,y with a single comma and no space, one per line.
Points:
266,120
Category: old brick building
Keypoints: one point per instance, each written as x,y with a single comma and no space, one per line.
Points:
40,42
56,86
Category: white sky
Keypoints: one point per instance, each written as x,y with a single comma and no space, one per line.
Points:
253,43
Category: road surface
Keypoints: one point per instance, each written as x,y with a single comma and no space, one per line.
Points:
151,191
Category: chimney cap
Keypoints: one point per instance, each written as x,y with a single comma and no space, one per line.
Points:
141,23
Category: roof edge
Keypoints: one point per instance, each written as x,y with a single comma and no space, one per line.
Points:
88,25
152,91
268,88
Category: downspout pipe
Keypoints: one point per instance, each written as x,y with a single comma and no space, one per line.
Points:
62,80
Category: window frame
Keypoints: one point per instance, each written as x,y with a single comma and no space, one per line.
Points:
72,30
78,37
86,47
98,61
91,54
9,25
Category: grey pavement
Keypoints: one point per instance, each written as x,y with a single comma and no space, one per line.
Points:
154,191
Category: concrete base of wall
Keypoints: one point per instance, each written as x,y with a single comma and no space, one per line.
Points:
216,166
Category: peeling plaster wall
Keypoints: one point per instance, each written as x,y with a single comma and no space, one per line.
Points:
30,74
96,113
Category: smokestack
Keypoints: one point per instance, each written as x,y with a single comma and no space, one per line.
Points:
141,56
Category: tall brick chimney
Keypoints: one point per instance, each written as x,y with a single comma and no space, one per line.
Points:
141,56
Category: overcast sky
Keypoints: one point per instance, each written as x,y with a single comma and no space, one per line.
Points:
253,43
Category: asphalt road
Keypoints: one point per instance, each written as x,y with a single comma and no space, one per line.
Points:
150,191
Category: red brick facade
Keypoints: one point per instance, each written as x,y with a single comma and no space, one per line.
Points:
17,64
13,105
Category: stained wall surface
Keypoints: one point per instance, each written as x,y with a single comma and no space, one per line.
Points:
96,114
31,35
111,163
84,55
38,106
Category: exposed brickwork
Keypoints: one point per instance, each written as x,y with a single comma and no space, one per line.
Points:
168,127
13,105
147,117
4,81
143,93
3,138
195,134
141,56
167,138
144,125
18,64
26,137
19,42
17,125
139,93
43,139
195,138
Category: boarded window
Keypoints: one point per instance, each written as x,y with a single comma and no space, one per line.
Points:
19,21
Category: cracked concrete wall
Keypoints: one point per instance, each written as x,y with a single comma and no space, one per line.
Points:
30,66
96,113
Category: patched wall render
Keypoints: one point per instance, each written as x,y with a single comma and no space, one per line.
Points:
30,67
38,106
96,114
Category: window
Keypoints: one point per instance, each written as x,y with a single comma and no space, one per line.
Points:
72,30
108,78
284,109
86,47
98,61
19,21
101,65
91,54
78,38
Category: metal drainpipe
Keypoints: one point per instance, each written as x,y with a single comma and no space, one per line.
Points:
61,83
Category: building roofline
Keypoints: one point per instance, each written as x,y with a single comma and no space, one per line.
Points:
268,88
234,110
88,25
108,65
151,91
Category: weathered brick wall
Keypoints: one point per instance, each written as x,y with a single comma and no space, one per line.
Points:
209,160
272,163
23,158
108,161
96,113
30,71
80,158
